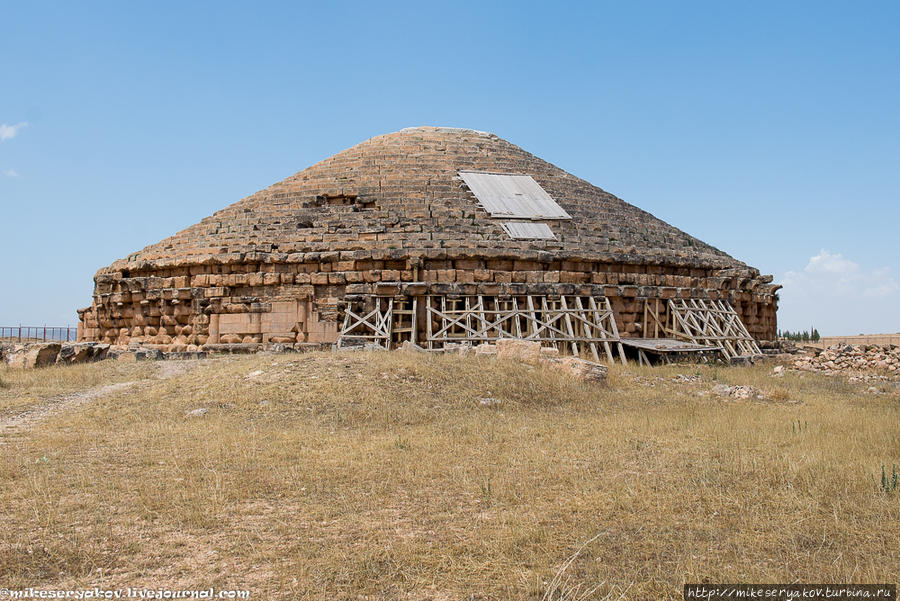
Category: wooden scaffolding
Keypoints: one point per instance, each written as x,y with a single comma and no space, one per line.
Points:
574,324
702,322
381,321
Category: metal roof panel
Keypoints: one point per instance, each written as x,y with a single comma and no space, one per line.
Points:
526,230
512,195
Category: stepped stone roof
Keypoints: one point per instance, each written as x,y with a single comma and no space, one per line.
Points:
401,193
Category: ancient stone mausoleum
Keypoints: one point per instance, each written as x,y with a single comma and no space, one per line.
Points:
433,235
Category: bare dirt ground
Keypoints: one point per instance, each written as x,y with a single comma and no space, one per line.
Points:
15,423
385,476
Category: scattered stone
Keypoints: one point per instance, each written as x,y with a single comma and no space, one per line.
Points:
686,378
738,392
463,350
778,371
488,401
861,363
198,412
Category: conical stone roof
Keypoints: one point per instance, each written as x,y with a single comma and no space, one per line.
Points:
402,193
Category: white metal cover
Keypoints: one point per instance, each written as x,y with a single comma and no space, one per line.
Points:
525,230
512,195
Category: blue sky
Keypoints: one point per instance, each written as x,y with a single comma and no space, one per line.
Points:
770,130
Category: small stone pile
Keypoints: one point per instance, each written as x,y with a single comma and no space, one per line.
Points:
860,362
738,392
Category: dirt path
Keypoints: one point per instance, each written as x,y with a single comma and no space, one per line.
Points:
14,425
17,424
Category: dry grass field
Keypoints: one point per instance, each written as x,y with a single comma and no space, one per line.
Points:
383,476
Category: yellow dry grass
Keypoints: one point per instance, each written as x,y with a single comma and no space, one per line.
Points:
382,476
26,389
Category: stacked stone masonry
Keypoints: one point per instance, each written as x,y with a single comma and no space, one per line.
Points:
391,217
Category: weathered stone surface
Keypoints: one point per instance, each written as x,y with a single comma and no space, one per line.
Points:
29,356
411,347
235,349
147,354
549,352
82,352
123,356
180,356
485,350
582,370
525,351
741,361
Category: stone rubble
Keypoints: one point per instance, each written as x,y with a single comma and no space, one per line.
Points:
651,382
859,362
738,392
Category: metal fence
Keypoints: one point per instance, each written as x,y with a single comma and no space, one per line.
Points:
38,333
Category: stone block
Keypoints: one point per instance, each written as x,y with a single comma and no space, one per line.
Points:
30,356
525,351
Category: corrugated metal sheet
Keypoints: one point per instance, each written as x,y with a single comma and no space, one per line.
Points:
525,230
512,195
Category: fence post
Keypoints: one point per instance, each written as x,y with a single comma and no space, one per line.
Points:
20,332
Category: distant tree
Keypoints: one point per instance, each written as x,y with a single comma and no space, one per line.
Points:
815,335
